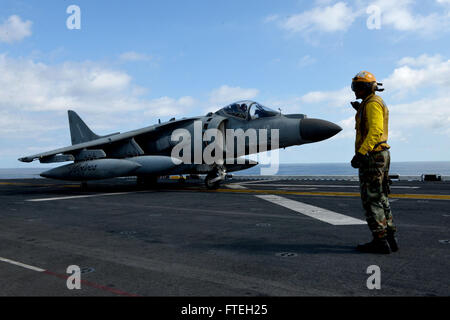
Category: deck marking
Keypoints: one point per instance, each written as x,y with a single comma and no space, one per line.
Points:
260,181
321,214
270,191
320,185
235,186
327,194
64,276
80,196
23,265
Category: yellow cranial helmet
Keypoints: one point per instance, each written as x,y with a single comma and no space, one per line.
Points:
364,80
364,76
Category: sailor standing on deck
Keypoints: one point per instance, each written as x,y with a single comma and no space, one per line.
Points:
372,158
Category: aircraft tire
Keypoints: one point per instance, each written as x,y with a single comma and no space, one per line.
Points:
211,185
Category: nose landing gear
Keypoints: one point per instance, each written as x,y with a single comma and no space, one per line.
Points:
214,178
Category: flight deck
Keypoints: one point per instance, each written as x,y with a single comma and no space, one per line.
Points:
251,237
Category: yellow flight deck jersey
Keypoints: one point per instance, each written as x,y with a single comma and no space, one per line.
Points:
372,125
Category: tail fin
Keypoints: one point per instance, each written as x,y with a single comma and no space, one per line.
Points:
79,131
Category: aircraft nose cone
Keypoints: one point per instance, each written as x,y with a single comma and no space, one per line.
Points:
314,130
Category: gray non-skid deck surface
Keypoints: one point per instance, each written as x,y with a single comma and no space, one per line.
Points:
181,240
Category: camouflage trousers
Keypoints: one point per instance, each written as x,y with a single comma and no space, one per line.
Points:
374,187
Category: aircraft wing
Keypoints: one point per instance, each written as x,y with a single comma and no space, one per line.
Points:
67,153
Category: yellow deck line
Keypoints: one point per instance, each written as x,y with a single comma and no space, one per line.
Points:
24,184
284,192
37,184
421,196
339,194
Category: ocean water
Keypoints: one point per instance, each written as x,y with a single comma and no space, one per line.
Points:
21,173
306,169
331,169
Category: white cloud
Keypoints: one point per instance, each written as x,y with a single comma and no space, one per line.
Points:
348,128
134,56
420,72
430,113
166,106
424,117
226,94
13,123
338,17
35,96
35,86
14,29
399,15
420,61
85,86
426,74
335,98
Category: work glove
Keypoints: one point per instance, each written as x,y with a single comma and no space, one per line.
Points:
359,160
355,105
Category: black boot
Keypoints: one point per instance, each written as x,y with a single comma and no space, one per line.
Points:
392,240
377,245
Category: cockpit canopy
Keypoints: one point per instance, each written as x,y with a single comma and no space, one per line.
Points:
248,110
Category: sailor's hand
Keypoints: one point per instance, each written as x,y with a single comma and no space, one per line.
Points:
359,160
355,105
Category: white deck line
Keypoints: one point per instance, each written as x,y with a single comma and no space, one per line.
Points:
78,197
23,265
318,213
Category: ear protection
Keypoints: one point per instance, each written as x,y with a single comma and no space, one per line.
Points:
375,87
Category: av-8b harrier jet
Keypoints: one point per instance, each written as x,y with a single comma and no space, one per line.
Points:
213,144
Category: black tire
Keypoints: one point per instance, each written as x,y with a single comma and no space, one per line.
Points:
211,185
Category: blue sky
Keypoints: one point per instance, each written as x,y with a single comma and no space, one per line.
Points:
134,62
